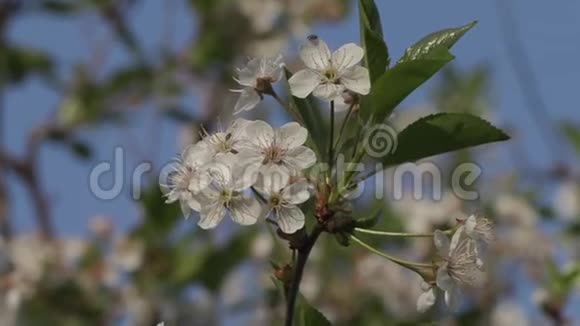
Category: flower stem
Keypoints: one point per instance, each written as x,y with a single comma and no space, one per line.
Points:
405,263
302,257
289,108
343,126
331,139
399,234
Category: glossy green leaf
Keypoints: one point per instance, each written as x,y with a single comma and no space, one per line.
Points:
371,33
376,54
306,315
400,81
446,38
441,133
369,16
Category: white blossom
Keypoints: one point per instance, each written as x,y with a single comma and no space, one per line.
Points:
266,147
480,231
567,200
327,75
257,78
225,141
458,268
283,198
188,177
225,194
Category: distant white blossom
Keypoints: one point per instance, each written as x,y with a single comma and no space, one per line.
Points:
283,198
567,200
283,147
328,75
515,209
257,78
225,194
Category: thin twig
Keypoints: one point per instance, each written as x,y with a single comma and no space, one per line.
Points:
301,260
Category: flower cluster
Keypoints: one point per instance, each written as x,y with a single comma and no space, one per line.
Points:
462,260
252,170
214,176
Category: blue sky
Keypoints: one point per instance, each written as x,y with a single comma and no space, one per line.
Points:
550,32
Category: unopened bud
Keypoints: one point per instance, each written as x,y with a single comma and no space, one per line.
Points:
313,39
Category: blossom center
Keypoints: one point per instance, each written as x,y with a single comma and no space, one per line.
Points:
331,75
225,196
273,154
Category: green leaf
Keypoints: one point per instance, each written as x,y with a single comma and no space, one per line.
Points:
371,34
572,132
311,119
400,81
376,54
446,38
369,16
441,133
306,315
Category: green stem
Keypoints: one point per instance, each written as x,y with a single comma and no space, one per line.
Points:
399,234
289,108
405,263
331,139
343,126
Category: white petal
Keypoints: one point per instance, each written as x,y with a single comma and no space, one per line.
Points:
452,298
193,203
211,215
245,175
455,239
199,181
245,210
470,224
444,281
273,68
357,80
260,134
315,55
291,135
441,243
299,158
274,178
296,193
303,82
248,100
196,155
290,219
250,157
185,210
247,75
220,171
479,250
347,56
328,91
426,300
